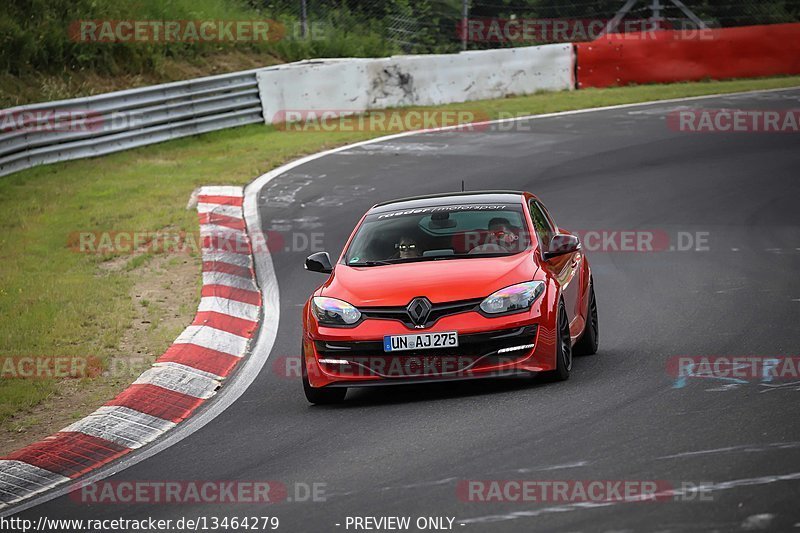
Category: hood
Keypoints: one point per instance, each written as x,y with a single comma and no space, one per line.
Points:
440,281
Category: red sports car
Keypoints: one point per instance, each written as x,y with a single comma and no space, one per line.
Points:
448,287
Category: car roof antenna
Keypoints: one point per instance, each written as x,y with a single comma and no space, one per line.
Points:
462,186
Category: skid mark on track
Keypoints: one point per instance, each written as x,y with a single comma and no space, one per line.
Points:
454,480
758,522
409,148
408,486
341,194
300,223
283,192
747,448
577,464
769,387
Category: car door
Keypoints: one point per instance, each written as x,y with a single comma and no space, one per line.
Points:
564,268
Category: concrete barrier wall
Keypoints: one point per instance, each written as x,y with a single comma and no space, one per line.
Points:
357,85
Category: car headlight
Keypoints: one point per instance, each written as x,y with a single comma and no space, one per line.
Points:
333,312
513,298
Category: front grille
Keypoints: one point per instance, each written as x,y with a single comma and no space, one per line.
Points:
472,348
438,311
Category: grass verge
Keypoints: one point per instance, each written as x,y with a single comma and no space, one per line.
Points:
55,302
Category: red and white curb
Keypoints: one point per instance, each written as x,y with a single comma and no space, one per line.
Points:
186,375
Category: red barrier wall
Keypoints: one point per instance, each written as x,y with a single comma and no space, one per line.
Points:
672,56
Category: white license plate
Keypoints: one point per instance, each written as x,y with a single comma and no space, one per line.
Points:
420,341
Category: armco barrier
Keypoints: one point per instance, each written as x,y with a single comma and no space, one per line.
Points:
674,56
358,85
33,134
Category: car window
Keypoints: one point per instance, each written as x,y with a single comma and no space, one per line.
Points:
461,221
439,232
541,225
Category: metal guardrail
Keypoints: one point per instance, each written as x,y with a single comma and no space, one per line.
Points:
85,127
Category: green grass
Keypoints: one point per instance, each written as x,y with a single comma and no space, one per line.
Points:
57,302
35,35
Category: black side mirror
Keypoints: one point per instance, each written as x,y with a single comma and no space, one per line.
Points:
319,262
562,244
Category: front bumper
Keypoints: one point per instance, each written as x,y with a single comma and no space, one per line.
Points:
487,348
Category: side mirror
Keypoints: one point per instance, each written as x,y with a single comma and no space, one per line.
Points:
562,244
319,262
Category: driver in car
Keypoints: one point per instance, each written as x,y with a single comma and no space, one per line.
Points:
407,248
502,233
501,238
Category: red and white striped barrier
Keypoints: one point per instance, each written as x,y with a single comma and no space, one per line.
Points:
185,376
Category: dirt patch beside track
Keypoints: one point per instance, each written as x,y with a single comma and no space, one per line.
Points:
164,299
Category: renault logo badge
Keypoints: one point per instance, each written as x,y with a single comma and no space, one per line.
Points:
419,310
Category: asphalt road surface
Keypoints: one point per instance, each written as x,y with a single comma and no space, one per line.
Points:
730,286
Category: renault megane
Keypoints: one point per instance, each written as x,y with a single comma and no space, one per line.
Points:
448,287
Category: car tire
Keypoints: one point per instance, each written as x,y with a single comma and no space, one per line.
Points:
563,346
321,396
590,339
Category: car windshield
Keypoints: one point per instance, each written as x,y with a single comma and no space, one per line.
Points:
437,233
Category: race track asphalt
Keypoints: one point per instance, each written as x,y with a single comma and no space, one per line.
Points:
401,451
